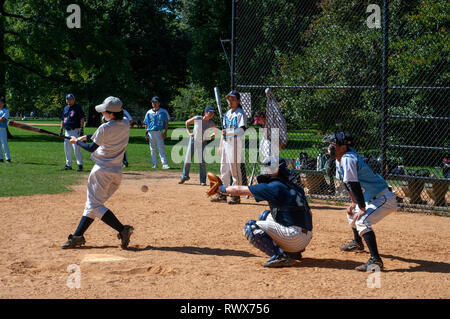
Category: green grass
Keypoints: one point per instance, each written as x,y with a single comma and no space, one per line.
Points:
37,160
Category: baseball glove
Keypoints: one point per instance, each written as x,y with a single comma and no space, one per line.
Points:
214,183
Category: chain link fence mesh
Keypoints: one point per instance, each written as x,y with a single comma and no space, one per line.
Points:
323,61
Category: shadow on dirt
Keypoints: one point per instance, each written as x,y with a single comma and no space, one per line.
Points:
422,265
198,251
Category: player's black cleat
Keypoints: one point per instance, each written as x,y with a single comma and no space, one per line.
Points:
73,242
66,168
280,260
80,168
219,198
234,200
125,235
373,264
353,246
8,160
183,179
297,255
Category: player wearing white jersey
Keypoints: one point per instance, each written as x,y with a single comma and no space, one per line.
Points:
232,151
109,143
372,198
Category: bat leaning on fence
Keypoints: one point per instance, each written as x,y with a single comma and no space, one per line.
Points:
32,128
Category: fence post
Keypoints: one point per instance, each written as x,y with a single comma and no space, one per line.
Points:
384,86
233,44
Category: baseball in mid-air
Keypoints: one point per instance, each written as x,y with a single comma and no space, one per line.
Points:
144,188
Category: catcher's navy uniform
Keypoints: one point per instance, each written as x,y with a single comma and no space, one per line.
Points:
286,229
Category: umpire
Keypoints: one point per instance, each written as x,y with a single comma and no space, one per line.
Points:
72,121
284,231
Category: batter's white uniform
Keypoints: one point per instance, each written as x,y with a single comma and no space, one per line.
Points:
105,177
232,147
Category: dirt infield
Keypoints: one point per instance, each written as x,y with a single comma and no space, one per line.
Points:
186,247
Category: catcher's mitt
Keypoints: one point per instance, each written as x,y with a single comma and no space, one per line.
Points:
214,183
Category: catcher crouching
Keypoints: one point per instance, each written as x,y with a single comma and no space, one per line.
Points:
284,231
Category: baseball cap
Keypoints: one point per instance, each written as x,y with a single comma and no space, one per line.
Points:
155,99
70,96
234,93
209,109
110,104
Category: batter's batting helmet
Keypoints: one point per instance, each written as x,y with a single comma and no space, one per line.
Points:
340,138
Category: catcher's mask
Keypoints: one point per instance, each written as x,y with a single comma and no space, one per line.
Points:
340,138
272,165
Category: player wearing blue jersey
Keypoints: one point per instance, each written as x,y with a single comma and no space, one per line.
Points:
72,121
4,116
156,124
372,198
109,143
284,231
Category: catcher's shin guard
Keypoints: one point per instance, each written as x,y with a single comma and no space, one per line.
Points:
258,238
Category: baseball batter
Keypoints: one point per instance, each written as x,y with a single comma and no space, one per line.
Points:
284,231
372,198
109,143
232,155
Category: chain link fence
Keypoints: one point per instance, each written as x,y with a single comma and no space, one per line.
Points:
377,69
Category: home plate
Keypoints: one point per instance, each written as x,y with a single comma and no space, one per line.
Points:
101,258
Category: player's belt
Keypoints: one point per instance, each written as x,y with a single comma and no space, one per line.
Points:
382,193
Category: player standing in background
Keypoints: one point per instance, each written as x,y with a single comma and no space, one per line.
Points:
284,231
156,123
198,139
109,143
72,120
4,116
372,198
232,147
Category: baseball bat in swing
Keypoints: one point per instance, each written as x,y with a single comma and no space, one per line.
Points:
32,128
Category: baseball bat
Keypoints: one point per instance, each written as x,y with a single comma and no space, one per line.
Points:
252,177
216,93
32,128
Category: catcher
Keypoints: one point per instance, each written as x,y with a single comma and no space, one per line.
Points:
284,231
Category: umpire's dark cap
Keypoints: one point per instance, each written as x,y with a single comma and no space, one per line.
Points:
235,93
